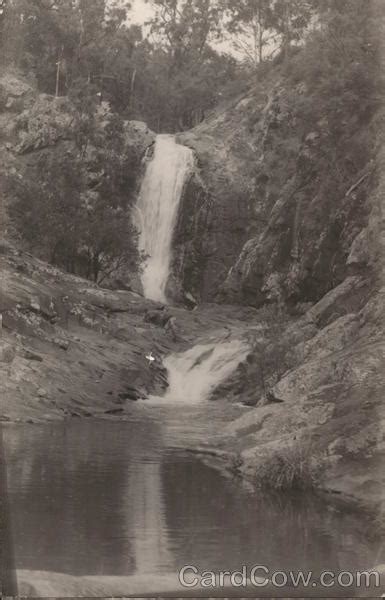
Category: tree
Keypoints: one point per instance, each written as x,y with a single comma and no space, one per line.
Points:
250,27
47,210
184,28
290,19
259,28
186,69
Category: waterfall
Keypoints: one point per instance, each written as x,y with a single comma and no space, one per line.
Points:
194,374
157,210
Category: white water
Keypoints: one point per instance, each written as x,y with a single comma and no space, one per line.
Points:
157,210
194,374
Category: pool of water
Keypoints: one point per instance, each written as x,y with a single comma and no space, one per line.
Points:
123,498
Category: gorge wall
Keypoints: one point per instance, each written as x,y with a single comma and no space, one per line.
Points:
283,202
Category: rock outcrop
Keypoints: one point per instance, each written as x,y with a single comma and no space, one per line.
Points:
69,348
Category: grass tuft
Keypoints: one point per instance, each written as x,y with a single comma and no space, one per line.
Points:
295,467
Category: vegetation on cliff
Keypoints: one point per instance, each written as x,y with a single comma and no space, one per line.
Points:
71,206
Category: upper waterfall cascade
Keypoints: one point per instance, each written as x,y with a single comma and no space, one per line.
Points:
157,210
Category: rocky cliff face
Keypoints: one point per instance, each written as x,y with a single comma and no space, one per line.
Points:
215,217
270,212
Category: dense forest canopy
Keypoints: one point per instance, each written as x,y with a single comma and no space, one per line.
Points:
169,71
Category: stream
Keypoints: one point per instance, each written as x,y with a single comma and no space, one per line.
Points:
125,498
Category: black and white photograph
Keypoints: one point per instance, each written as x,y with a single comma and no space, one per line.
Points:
192,299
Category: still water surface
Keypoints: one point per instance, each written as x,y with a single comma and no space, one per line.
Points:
123,498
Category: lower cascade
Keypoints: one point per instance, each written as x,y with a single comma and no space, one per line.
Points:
157,210
194,374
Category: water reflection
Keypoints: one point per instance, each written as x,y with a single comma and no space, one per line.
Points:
112,498
145,521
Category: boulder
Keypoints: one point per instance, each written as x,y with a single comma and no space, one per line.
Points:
158,316
348,296
15,92
63,344
172,329
138,136
7,352
190,301
29,355
45,123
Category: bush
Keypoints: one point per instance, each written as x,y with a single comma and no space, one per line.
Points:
294,467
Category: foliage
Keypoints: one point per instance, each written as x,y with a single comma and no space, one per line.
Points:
74,211
294,467
172,72
169,79
261,28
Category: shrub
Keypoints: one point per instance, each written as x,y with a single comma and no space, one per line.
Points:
293,467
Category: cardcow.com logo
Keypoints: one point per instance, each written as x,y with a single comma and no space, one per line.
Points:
259,576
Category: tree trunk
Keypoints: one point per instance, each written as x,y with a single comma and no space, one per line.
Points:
260,36
58,67
286,32
95,267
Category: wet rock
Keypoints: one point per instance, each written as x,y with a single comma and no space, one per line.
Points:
131,393
190,301
172,329
113,411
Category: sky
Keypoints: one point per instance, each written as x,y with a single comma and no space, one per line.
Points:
141,11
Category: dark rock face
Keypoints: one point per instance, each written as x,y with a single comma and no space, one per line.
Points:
265,215
213,216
